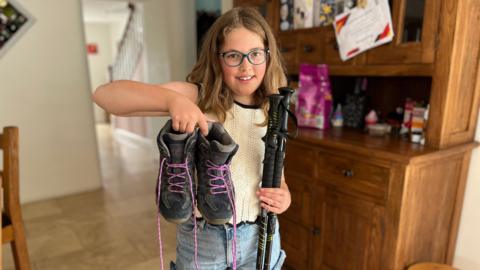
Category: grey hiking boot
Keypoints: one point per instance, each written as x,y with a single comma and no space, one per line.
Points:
215,194
175,177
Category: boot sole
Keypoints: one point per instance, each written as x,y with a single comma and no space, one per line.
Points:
178,221
217,221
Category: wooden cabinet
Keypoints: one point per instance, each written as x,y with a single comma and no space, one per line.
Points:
377,205
361,202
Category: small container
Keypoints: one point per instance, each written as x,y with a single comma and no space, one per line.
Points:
379,129
371,118
337,119
416,137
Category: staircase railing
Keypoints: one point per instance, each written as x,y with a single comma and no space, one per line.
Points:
130,47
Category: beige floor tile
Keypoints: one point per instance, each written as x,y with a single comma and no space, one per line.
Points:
98,232
132,206
154,263
7,258
147,241
45,226
40,209
54,244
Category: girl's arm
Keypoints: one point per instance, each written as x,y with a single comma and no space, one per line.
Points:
130,97
177,99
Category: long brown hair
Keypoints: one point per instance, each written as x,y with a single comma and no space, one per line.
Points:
214,97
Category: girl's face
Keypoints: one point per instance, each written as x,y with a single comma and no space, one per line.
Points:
244,79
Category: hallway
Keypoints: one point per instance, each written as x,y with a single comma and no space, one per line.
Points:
109,228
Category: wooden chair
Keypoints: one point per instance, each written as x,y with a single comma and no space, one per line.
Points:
431,266
12,223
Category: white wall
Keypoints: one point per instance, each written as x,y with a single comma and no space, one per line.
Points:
45,91
467,255
170,44
226,5
99,34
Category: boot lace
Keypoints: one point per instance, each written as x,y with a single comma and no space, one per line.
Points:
176,186
220,183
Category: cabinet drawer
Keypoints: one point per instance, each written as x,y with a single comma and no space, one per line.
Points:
287,44
300,159
310,48
354,175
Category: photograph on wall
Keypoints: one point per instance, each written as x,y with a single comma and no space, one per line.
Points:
303,16
14,20
286,15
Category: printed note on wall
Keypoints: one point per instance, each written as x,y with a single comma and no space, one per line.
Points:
363,27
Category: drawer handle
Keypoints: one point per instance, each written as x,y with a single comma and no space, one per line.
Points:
316,231
308,48
284,50
347,173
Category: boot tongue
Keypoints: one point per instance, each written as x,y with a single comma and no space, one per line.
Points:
176,146
220,152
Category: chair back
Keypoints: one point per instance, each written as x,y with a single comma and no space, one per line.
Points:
9,173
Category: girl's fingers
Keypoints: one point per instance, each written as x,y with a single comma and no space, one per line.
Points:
190,127
272,191
270,208
272,197
183,126
175,125
268,201
203,125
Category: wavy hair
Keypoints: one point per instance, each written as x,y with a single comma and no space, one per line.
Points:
214,96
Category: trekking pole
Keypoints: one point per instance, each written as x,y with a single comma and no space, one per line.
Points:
275,143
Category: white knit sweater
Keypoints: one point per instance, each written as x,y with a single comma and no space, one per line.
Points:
246,167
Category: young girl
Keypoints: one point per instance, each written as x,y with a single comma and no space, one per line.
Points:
238,67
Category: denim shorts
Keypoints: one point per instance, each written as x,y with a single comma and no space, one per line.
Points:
214,247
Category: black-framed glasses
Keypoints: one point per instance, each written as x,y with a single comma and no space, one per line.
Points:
235,58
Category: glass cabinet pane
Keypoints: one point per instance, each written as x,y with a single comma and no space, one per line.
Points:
413,20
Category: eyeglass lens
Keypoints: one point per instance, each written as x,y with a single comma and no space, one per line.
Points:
255,57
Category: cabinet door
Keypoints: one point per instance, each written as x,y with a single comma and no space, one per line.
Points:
351,233
302,195
296,241
415,24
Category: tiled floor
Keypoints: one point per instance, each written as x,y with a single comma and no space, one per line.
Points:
109,228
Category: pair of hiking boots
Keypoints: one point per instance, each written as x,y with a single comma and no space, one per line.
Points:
184,156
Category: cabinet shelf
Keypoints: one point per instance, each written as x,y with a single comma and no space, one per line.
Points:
388,147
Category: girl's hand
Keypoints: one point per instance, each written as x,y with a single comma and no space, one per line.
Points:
186,115
276,200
